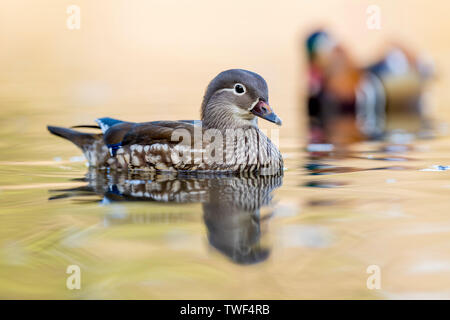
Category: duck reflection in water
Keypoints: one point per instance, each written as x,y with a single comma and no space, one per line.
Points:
231,203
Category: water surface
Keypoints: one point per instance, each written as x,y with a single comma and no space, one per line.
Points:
311,233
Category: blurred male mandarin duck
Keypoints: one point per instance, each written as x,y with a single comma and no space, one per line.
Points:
232,102
333,78
347,103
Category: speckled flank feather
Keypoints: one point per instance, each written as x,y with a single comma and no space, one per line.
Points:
258,153
253,153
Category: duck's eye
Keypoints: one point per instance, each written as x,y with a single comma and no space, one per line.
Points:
239,88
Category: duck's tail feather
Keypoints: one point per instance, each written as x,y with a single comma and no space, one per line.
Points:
80,139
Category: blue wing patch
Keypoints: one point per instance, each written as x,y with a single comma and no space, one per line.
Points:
106,123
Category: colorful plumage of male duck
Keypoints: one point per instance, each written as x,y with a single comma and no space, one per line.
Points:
333,78
349,103
226,139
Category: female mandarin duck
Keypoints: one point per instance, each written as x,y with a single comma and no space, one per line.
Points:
231,104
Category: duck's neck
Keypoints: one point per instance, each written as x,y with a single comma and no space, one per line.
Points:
253,149
223,117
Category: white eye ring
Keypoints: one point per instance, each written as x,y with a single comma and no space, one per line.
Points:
239,89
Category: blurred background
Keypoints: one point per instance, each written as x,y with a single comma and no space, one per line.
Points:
151,60
158,56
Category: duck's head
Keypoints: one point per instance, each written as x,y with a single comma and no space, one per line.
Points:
234,99
320,46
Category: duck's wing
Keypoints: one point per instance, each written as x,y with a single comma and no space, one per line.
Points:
118,133
147,133
157,132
